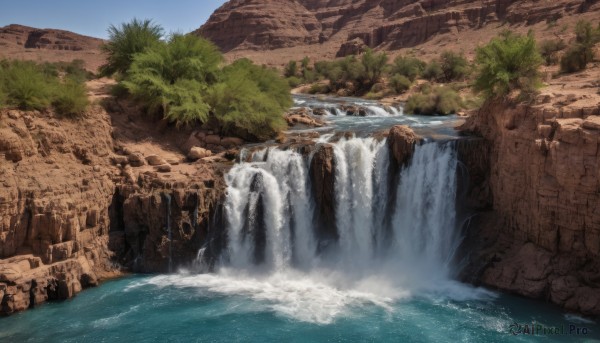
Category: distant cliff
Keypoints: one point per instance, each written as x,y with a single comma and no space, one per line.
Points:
386,24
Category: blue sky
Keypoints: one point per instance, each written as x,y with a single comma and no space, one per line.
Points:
92,18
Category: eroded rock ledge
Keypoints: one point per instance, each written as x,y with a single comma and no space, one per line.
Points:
542,239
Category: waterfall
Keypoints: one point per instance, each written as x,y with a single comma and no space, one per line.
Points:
271,211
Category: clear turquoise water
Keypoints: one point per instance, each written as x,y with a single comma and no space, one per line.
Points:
163,308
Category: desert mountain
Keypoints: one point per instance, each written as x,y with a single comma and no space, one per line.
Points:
23,42
342,27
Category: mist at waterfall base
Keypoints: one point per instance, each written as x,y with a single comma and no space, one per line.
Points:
380,280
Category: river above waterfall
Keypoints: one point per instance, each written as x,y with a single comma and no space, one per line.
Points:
377,117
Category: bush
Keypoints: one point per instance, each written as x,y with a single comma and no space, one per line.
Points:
433,71
250,100
400,83
171,78
294,81
410,67
291,69
438,101
549,50
70,99
508,62
574,59
319,88
26,86
126,41
454,66
582,53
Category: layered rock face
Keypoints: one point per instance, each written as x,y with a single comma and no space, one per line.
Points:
353,24
80,203
54,192
543,238
261,24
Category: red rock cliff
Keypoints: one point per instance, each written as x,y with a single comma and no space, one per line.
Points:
543,238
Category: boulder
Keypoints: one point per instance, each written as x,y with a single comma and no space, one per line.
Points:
401,142
155,160
136,160
197,153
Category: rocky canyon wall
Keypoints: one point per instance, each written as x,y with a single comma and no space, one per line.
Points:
542,239
77,208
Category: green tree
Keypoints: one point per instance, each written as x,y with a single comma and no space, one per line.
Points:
549,50
508,62
127,40
437,101
373,66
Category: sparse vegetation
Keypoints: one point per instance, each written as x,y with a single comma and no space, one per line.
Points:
434,101
581,53
291,69
507,63
550,48
28,86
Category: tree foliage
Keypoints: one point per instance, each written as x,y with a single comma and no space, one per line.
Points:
549,50
127,40
400,83
507,63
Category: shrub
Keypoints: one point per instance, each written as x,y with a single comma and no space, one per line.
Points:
26,86
126,41
171,78
29,86
250,100
582,53
410,67
438,101
433,71
508,62
291,69
549,50
70,99
294,81
319,88
400,83
454,66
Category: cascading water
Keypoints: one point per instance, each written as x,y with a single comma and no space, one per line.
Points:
390,244
271,211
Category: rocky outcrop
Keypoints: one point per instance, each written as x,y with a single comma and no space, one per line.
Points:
54,192
401,142
351,25
322,174
47,39
542,239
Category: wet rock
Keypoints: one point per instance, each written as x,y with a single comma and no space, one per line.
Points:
402,141
322,174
